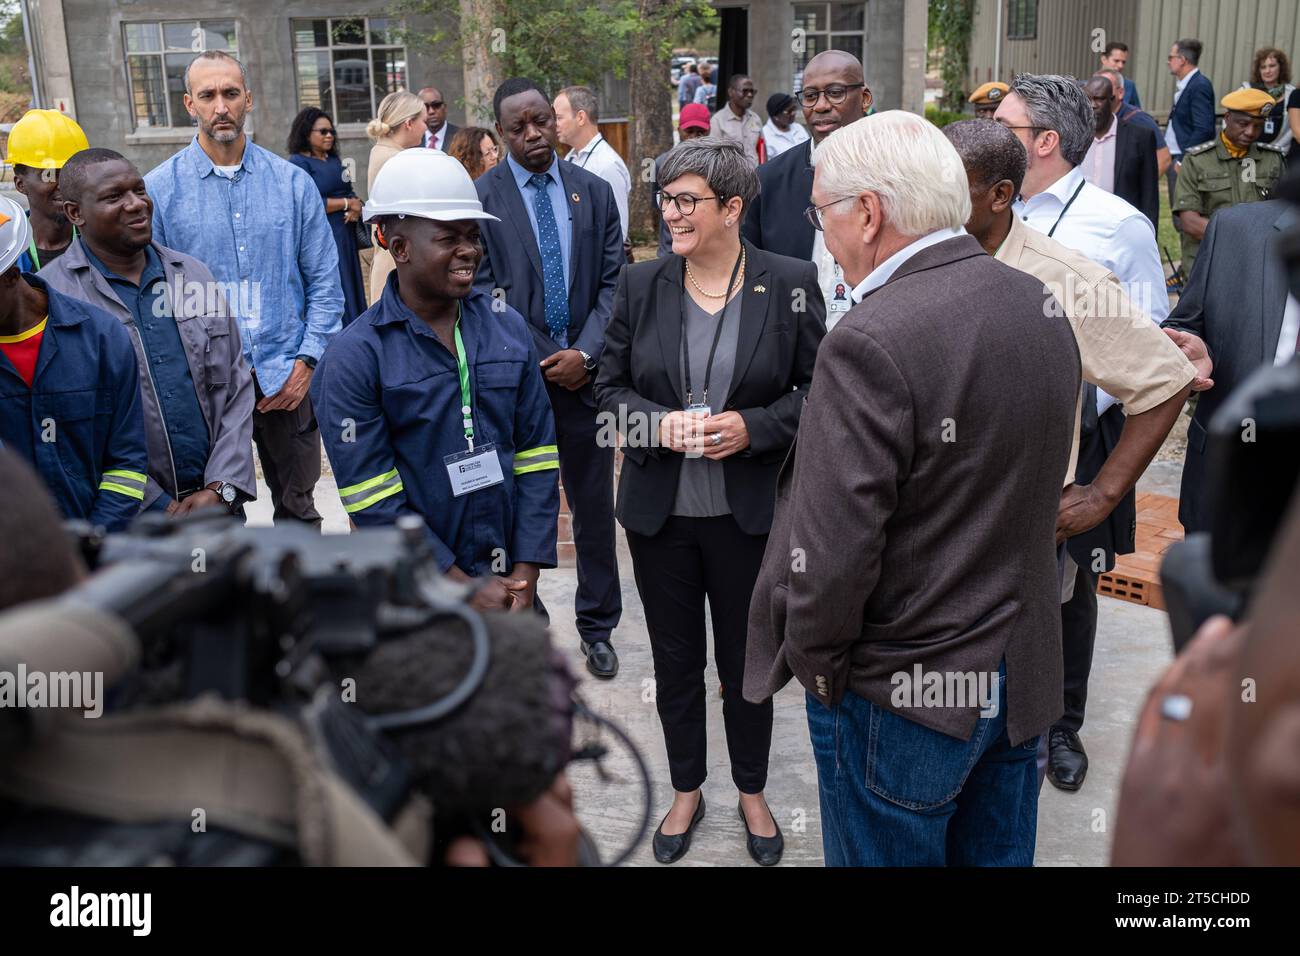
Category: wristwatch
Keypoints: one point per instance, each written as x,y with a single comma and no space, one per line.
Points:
306,360
228,494
588,362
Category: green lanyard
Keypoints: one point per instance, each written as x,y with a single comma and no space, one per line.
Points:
462,369
31,248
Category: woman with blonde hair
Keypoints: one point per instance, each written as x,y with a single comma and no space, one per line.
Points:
399,126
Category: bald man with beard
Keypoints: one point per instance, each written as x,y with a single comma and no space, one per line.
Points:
833,82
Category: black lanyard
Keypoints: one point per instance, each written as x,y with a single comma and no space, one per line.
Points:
717,334
1078,189
586,159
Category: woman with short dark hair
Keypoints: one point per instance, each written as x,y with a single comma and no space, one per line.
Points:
708,356
313,147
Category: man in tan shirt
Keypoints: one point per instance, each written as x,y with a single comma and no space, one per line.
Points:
1122,351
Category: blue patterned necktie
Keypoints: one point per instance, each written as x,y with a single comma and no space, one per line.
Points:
548,244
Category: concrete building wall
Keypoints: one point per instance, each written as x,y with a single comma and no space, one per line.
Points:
1232,30
96,49
894,59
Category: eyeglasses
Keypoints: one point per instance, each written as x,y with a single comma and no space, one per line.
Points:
1041,129
323,132
435,105
684,202
814,213
834,94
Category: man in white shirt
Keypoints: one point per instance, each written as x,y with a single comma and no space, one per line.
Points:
438,132
1053,119
576,122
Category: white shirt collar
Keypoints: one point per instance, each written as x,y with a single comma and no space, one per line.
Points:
1181,84
591,144
1063,188
885,271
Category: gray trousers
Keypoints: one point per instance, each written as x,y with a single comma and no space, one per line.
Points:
288,446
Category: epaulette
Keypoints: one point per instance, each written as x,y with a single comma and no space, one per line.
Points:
1270,146
1200,148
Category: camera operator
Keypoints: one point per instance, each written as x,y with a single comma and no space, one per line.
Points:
432,403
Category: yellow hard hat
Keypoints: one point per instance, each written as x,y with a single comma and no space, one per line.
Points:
45,139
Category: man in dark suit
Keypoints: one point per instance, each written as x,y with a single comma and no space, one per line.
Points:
555,257
438,132
834,95
1191,121
1122,157
913,539
1234,304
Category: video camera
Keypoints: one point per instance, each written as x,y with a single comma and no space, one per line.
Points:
280,618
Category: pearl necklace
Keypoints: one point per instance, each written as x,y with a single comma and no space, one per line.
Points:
740,278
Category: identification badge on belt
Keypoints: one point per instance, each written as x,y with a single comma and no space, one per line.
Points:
474,470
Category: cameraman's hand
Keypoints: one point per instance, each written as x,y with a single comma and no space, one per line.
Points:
1174,805
549,833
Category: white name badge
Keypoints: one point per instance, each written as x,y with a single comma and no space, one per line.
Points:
1269,126
474,470
701,411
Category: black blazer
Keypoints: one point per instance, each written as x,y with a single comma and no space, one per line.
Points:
511,261
775,221
1235,300
640,378
1136,173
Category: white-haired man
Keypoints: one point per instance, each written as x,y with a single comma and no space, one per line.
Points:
910,581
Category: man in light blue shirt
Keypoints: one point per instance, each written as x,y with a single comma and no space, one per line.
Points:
258,223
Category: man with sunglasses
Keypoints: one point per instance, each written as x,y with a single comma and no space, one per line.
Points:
438,132
834,94
737,120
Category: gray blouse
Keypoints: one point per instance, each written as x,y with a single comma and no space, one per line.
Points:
701,490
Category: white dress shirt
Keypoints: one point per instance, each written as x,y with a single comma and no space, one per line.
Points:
885,271
1099,163
1171,138
1286,341
1108,231
778,141
603,159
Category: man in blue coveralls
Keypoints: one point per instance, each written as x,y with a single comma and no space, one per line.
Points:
432,403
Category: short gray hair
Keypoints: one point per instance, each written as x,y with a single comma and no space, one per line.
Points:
907,162
722,163
1058,103
214,55
582,99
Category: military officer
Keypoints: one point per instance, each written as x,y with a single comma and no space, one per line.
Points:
987,98
1231,169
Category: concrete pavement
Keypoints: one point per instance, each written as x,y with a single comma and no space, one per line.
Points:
1133,646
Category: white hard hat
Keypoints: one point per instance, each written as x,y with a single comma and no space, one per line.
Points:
15,233
426,183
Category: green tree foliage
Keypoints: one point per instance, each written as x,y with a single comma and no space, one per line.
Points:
950,27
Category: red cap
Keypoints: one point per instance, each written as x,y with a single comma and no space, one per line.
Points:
694,116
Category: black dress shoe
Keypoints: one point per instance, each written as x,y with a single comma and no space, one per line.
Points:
601,659
1067,761
766,851
671,848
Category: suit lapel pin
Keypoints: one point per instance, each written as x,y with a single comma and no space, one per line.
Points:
575,197
760,288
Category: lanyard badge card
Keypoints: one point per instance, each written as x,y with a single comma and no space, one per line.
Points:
701,408
474,468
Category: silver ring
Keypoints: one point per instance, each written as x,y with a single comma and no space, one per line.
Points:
1176,707
717,438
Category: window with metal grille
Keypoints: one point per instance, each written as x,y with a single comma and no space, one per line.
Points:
157,54
1022,19
347,65
826,26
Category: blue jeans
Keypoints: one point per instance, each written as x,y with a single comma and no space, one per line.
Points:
894,793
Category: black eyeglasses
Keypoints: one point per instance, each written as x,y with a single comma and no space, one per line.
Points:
684,202
435,105
814,213
834,94
1040,129
324,132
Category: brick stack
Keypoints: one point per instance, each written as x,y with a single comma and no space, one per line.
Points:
1136,577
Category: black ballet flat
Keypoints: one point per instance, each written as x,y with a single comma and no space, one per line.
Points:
671,848
766,851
